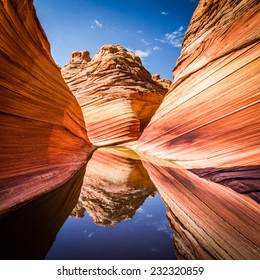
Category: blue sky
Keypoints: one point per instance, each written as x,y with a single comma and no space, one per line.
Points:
152,29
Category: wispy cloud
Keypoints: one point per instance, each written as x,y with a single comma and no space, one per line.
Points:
142,54
174,38
98,23
156,48
91,234
140,210
164,13
145,42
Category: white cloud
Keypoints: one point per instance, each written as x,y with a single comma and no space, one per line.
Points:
174,38
156,48
145,42
91,234
164,13
98,24
142,54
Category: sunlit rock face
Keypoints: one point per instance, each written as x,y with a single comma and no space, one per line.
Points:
117,94
210,117
163,82
209,221
118,191
43,138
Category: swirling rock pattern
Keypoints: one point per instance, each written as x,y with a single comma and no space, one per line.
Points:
43,137
210,116
117,94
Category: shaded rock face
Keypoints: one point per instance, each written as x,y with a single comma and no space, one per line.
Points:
43,137
210,116
209,221
242,179
117,94
114,194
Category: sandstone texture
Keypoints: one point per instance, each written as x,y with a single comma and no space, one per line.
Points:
117,94
210,116
242,179
115,186
165,83
209,221
43,137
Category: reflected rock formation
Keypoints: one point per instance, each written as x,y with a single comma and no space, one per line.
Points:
115,186
209,221
117,94
28,232
210,116
43,137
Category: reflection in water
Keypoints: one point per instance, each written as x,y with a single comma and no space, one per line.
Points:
114,187
209,221
122,219
29,232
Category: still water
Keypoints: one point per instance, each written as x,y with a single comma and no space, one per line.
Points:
124,206
145,236
110,209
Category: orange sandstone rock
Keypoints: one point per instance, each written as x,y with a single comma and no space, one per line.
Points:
43,137
210,116
117,94
163,82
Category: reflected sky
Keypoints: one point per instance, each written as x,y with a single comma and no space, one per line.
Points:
146,236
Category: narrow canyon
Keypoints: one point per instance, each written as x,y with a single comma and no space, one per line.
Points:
101,135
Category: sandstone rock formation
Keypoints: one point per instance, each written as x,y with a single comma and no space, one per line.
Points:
163,82
210,116
43,138
242,179
117,94
209,221
115,186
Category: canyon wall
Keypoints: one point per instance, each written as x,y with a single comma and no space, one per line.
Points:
210,116
117,94
43,137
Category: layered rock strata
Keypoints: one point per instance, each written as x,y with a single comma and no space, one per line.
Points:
118,191
242,179
210,116
43,137
117,94
209,221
